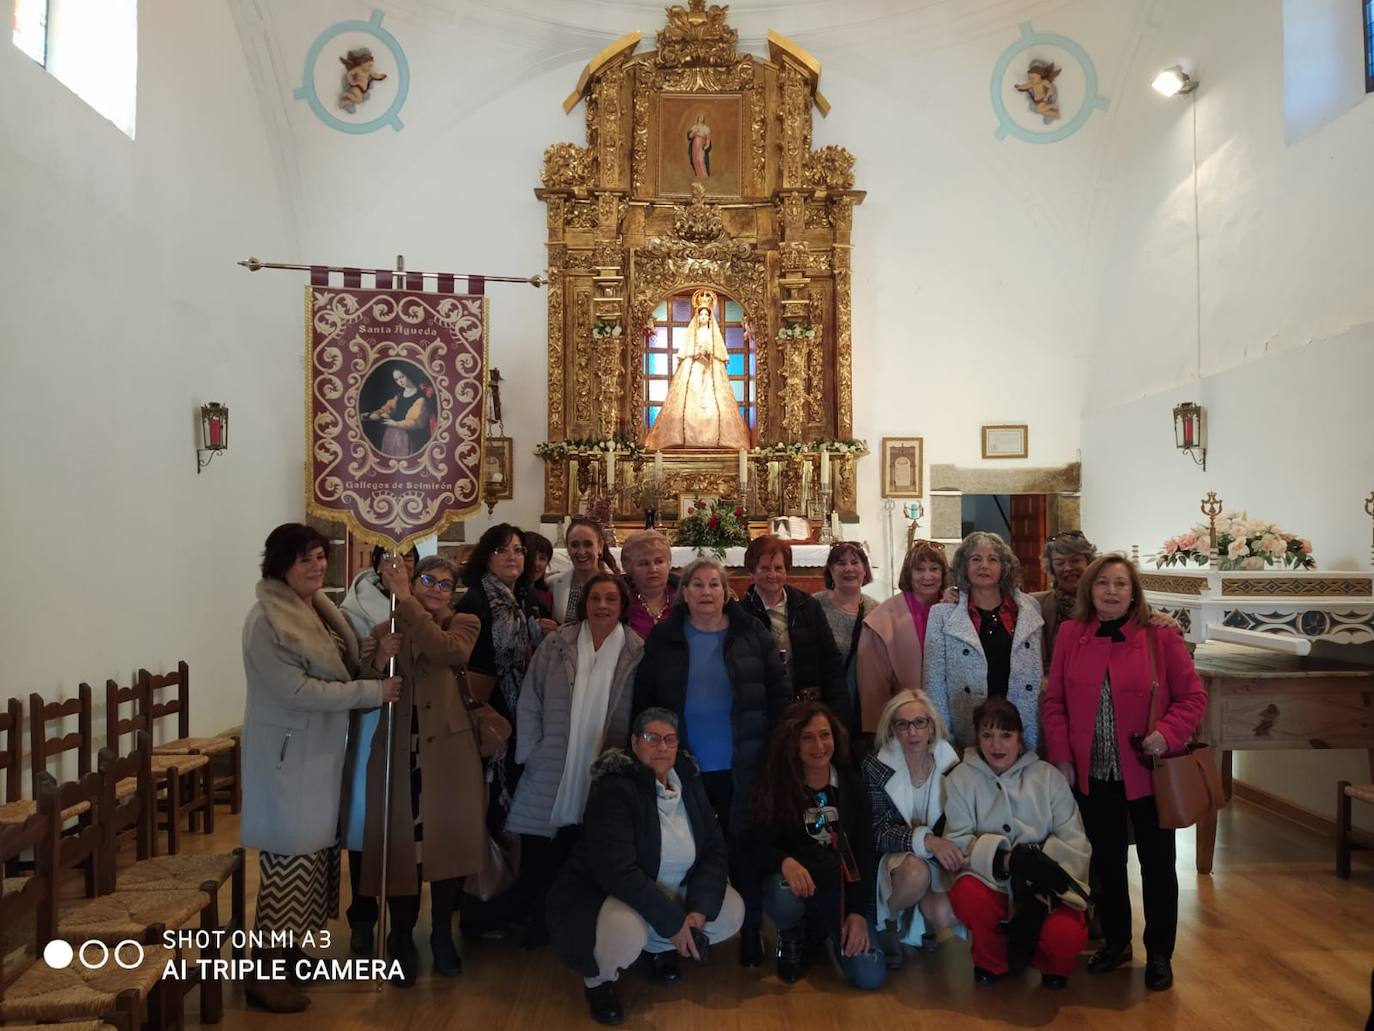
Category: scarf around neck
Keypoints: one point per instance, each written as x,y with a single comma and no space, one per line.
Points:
510,637
591,695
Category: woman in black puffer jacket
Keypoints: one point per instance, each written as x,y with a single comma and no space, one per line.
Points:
716,667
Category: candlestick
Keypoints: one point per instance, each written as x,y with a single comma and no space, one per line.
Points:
825,468
1211,508
1369,510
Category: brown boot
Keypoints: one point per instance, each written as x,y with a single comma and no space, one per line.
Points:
275,996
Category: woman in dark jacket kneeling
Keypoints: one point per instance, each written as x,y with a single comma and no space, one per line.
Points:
650,873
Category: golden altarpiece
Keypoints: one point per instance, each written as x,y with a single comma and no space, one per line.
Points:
698,173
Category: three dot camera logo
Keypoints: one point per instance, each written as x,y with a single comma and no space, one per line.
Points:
129,954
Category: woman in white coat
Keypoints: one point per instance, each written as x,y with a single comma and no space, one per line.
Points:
904,776
301,661
986,644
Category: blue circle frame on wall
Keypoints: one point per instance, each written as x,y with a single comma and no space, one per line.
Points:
1092,100
307,92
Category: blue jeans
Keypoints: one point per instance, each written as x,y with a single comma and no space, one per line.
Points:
865,970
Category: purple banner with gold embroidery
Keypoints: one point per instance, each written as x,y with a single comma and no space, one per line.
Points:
395,415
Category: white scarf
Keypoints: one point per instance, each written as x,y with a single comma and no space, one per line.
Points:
591,696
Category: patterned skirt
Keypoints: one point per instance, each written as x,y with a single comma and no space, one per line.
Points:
297,893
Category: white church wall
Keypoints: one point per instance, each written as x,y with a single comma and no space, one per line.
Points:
1286,320
123,312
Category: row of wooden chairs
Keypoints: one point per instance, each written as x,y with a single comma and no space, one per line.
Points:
192,773
138,902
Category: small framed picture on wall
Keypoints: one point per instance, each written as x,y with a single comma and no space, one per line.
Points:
903,460
497,469
1006,441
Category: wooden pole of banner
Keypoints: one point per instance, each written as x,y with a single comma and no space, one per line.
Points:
379,945
253,265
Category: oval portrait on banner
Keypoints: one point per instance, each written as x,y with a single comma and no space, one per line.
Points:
397,408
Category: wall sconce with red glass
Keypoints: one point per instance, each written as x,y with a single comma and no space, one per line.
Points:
214,433
1190,431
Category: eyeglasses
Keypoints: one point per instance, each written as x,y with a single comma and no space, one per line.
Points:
921,542
654,740
431,581
919,723
514,549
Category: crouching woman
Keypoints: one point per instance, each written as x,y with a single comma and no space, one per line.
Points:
649,874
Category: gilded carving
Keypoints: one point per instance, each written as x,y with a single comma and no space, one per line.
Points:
555,486
758,128
643,100
1172,584
610,209
818,263
555,215
842,213
567,166
845,502
708,484
608,385
793,370
844,367
815,369
580,214
791,485
795,115
793,255
555,398
583,381
830,168
817,217
607,94
792,213
698,222
696,35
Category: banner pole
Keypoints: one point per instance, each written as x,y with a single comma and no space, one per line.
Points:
380,945
253,265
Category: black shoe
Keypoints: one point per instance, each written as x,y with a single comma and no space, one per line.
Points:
360,941
984,977
1159,973
663,968
400,947
791,955
447,962
1053,981
1108,958
604,1004
750,947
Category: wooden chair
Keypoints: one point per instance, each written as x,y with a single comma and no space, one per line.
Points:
35,992
1347,838
185,777
206,872
11,748
41,748
220,749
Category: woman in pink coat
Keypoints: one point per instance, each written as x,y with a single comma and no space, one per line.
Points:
1098,733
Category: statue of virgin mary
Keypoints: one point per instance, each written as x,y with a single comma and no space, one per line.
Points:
700,410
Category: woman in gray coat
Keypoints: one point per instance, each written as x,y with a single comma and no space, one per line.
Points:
574,704
301,661
986,644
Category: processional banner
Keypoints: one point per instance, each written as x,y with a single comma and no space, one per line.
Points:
395,413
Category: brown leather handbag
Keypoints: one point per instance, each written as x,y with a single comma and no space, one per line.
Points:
1187,785
489,726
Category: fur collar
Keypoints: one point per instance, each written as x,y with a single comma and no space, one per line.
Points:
301,635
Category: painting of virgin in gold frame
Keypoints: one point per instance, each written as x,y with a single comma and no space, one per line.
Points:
700,140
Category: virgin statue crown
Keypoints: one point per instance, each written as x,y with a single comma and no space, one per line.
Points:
704,299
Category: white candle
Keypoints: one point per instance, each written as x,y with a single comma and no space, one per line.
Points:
825,469
743,465
610,469
658,463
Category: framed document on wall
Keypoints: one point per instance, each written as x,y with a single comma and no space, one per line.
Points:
498,469
1006,441
903,460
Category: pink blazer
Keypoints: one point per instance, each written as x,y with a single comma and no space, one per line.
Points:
1081,660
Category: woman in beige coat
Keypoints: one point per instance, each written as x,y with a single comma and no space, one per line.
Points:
438,830
893,638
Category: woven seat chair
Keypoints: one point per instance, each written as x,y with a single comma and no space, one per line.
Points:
1347,838
164,874
186,778
33,992
42,748
222,749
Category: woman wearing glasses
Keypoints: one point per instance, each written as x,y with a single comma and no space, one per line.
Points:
1098,731
436,831
986,644
718,668
815,845
893,638
649,874
905,781
498,594
575,703
587,550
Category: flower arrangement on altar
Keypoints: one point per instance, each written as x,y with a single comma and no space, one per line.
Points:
784,449
559,450
606,328
717,527
1242,543
797,331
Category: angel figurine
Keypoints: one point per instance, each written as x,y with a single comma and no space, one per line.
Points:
1041,93
358,78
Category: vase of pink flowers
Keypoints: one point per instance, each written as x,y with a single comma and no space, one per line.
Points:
1242,543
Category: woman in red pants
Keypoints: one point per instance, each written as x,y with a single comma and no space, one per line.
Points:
1023,893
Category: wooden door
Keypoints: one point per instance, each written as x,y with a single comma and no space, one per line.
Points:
1029,528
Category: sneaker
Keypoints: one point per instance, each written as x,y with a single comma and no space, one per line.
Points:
604,1004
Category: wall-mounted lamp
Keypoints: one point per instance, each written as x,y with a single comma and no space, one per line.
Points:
1190,431
1174,80
214,433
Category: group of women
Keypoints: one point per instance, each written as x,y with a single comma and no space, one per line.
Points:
679,763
